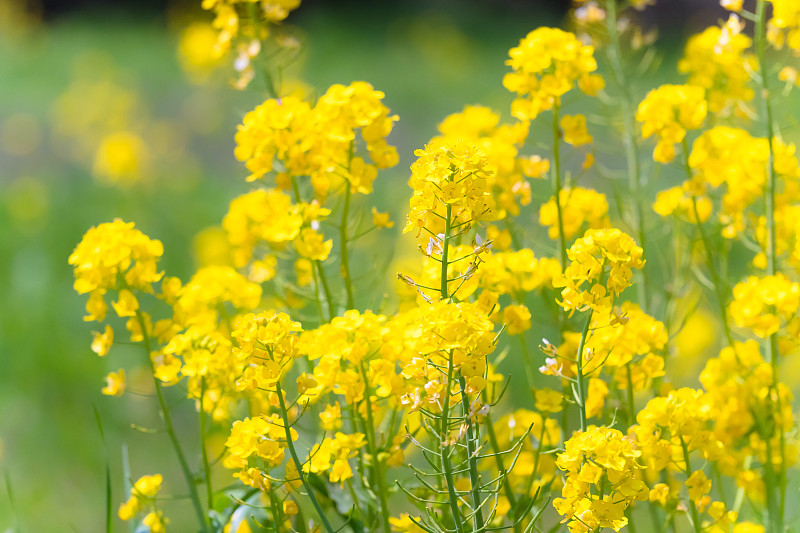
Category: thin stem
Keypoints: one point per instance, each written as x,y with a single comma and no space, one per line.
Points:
501,467
581,393
562,240
628,137
298,465
380,475
718,286
173,437
445,250
326,290
776,516
472,445
206,465
444,445
688,471
343,252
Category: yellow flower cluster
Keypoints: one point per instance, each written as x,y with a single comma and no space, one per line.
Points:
332,454
627,336
603,477
318,141
262,215
785,22
603,260
718,61
142,496
764,303
227,18
546,65
668,423
668,112
449,176
114,255
260,440
578,206
481,127
437,336
268,342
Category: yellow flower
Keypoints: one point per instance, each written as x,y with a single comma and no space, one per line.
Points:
155,521
449,173
578,206
101,343
761,303
381,220
548,400
108,253
115,383
121,159
546,65
718,60
602,457
699,485
574,128
597,253
261,216
312,245
668,112
517,319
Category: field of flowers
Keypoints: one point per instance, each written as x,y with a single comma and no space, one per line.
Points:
577,310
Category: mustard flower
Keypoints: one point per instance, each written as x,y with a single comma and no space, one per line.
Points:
761,304
785,22
597,254
606,459
263,215
578,206
143,493
453,174
669,112
546,65
109,253
481,127
718,60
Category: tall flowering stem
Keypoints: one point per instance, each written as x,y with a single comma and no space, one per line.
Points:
557,188
776,515
628,135
377,462
299,465
715,279
579,382
445,446
688,471
173,437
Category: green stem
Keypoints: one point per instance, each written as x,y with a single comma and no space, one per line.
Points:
562,240
631,404
326,290
276,512
173,437
298,465
718,286
445,250
345,258
501,467
688,471
380,475
444,445
776,518
206,465
629,137
580,398
478,524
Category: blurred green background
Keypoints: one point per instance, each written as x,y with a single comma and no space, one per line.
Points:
66,84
